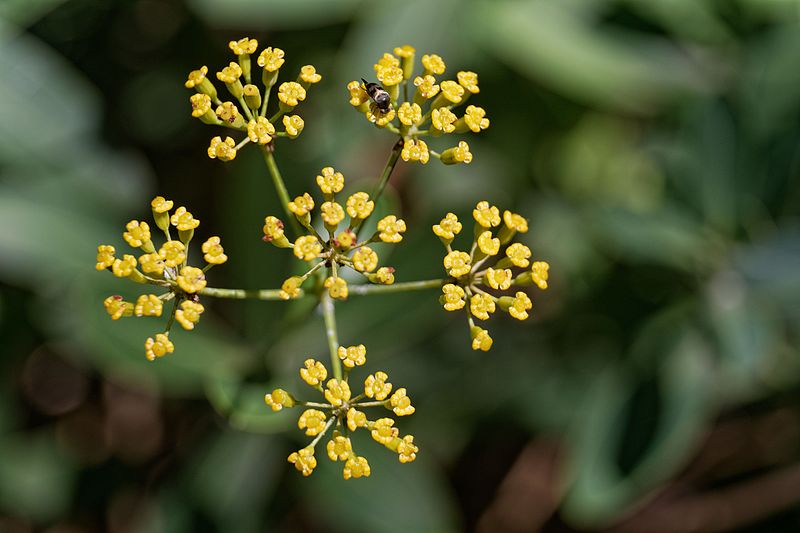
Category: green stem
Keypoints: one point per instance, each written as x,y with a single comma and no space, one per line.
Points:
366,289
242,294
384,179
280,188
329,313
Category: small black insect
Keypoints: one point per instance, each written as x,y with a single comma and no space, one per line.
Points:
378,95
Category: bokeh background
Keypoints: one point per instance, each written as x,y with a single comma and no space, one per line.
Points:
655,147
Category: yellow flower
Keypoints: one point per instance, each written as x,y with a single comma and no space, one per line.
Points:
184,220
346,239
228,112
453,297
189,314
304,460
105,256
291,288
260,130
365,259
230,74
353,355
486,215
480,339
515,222
518,254
481,306
337,288
452,91
386,61
487,244
122,268
273,232
152,264
271,59
409,114
314,372
499,279
359,206
307,248
201,104
332,213
447,228
390,76
426,86
309,74
475,118
313,421
291,93
191,279
469,81
293,124
433,64
158,347
457,263
330,181
407,450
391,229
519,306
358,96
404,51
339,448
302,205
243,46
117,308
356,419
278,399
148,305
457,154
382,431
214,253
384,276
196,77
376,386
138,233
337,392
173,253
222,150
540,273
378,117
401,403
415,150
159,204
443,120
356,467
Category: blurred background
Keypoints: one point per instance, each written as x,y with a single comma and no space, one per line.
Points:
655,147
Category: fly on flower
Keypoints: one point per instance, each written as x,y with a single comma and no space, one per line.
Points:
379,95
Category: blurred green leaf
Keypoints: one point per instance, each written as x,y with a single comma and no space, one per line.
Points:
278,14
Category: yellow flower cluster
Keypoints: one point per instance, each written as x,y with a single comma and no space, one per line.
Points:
342,413
338,245
473,283
165,267
425,108
247,112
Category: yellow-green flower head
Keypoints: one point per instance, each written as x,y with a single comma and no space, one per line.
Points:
138,233
453,297
243,46
313,421
426,86
339,448
377,386
499,279
173,253
291,288
230,74
158,347
302,205
337,392
330,181
332,213
161,204
390,76
359,206
409,114
540,273
214,253
148,305
252,96
481,306
433,64
309,74
384,276
520,307
365,259
116,307
475,118
260,130
152,264
228,112
391,229
378,117
352,356
356,467
105,256
307,247
452,91
184,220
457,154
273,229
383,431
356,419
196,77
191,279
401,403
346,239
313,373
293,124
122,268
448,227
515,222
278,399
189,314
486,215
337,288
291,93
415,150
481,340
406,51
518,254
271,59
304,460
469,81
443,120
457,263
358,96
222,150
407,450
386,61
487,244
201,104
